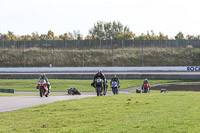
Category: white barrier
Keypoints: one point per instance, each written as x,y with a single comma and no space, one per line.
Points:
104,69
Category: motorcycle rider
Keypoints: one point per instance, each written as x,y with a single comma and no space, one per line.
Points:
145,82
115,79
102,76
43,76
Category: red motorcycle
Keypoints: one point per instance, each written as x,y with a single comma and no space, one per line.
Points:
146,88
43,88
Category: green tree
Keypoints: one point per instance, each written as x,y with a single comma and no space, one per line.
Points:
44,37
50,35
125,36
88,37
191,37
35,36
77,35
162,36
11,36
107,30
179,36
65,36
25,37
141,37
151,36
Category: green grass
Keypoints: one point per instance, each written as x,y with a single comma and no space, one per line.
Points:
63,85
127,113
12,94
8,94
155,56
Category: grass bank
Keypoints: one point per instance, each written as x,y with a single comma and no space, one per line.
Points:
8,94
155,56
127,113
63,84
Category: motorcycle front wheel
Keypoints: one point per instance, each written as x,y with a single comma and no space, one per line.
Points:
41,91
98,91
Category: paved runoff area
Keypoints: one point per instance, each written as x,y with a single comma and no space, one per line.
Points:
11,103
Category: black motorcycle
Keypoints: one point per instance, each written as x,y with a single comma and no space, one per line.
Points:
99,85
73,91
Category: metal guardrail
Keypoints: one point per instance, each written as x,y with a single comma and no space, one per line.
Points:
95,69
7,90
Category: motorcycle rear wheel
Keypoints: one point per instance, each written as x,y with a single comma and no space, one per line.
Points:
41,91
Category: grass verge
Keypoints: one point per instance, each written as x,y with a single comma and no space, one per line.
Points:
154,56
127,113
12,94
63,84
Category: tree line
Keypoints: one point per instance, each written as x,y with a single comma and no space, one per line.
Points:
100,31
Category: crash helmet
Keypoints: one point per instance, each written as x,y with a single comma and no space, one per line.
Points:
114,76
145,79
99,72
43,75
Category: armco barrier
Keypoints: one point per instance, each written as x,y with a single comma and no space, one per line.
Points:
95,69
7,90
182,72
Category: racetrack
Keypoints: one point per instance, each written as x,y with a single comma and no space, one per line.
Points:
12,103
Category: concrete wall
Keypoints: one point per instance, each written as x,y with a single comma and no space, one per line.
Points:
95,69
191,72
90,76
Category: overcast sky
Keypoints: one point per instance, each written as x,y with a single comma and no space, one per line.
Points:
167,16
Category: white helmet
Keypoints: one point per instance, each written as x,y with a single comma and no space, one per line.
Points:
100,71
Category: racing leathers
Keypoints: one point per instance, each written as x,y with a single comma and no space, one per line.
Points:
102,76
47,82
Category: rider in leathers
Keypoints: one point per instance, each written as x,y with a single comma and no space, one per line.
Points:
115,79
145,82
102,76
43,76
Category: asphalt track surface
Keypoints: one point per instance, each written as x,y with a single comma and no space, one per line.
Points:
20,102
11,103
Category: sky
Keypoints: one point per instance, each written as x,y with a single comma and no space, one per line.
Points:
61,16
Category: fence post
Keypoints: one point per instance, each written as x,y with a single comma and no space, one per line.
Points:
24,53
143,54
89,41
54,58
100,43
112,53
83,57
177,43
171,55
64,43
3,42
13,43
